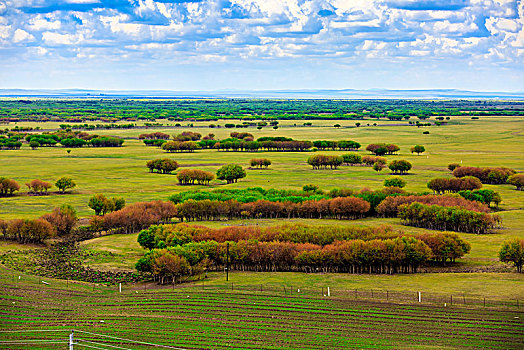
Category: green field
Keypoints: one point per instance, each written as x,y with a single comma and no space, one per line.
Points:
190,317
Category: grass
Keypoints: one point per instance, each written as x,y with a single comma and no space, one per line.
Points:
191,318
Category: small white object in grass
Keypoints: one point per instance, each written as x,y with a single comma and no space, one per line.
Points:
44,282
188,296
515,316
298,290
445,304
14,302
101,321
136,291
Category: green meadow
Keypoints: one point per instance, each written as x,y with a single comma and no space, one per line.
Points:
488,141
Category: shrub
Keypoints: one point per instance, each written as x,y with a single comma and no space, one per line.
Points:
30,231
453,166
517,180
102,205
321,161
352,158
378,167
63,219
483,196
513,251
395,182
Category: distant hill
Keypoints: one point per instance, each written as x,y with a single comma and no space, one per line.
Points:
291,94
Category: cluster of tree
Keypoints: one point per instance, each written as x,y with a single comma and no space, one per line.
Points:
344,145
103,205
180,146
380,149
487,175
338,208
390,205
482,196
59,222
106,141
246,136
269,146
187,136
37,140
190,176
517,180
134,217
38,187
283,249
400,166
153,142
418,149
246,195
322,161
10,142
443,185
259,162
154,136
512,251
438,217
162,165
8,186
231,173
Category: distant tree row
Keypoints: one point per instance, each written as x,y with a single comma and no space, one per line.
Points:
180,146
380,149
337,208
322,161
344,145
259,162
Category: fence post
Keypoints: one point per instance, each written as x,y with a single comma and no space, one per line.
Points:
231,285
387,294
451,300
71,340
356,295
120,287
419,297
464,298
329,292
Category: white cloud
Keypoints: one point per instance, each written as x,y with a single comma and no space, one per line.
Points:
21,35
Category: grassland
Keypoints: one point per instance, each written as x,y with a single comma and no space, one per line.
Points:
218,319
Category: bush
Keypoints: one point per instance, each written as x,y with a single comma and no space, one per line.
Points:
30,231
517,180
394,182
352,158
102,205
453,166
180,146
38,187
482,196
513,251
63,219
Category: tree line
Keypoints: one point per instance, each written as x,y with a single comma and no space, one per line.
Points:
35,187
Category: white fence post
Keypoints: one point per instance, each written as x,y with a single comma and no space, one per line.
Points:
71,340
419,297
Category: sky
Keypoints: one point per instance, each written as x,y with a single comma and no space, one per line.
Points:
206,45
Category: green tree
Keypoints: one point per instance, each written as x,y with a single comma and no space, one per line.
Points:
231,173
146,239
34,144
64,183
513,251
400,166
377,166
418,149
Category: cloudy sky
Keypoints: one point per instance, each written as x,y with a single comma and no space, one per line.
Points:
262,44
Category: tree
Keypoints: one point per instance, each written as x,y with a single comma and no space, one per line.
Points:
8,186
400,166
38,187
418,149
352,158
64,183
513,251
231,173
310,188
34,144
168,264
102,205
378,166
146,239
395,182
62,218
